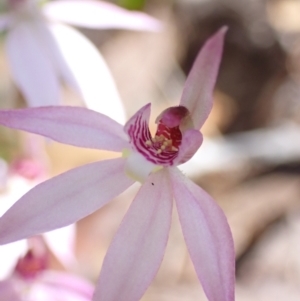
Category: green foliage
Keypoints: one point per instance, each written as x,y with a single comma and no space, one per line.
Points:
42,2
9,144
2,7
132,4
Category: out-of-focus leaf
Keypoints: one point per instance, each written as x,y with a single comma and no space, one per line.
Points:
132,4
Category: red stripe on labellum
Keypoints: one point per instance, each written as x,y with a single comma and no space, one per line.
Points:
163,148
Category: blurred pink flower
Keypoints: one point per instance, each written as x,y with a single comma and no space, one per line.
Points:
137,249
48,286
43,52
32,280
61,242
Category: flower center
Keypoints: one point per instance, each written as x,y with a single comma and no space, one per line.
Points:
31,265
148,154
163,148
166,139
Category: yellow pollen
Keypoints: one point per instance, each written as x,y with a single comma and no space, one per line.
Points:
159,138
165,144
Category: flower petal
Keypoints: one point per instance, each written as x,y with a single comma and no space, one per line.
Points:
5,21
71,125
62,243
137,249
8,291
99,14
191,141
91,77
3,174
198,88
31,66
57,286
64,283
52,49
207,236
64,199
9,254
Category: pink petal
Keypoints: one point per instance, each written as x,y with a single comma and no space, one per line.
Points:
69,283
71,125
137,249
56,286
62,243
5,21
91,77
64,199
9,254
98,14
207,236
3,174
198,89
8,291
31,66
52,49
191,141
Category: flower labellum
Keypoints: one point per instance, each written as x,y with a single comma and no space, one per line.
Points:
138,247
167,147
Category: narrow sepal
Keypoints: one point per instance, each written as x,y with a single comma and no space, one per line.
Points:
208,238
99,15
199,86
137,249
71,125
64,199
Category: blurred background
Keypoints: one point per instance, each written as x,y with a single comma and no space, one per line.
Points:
250,161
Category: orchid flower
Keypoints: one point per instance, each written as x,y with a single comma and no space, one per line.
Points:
61,242
43,52
137,249
32,280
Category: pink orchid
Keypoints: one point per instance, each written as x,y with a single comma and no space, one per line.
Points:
137,249
32,280
48,286
61,242
42,52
